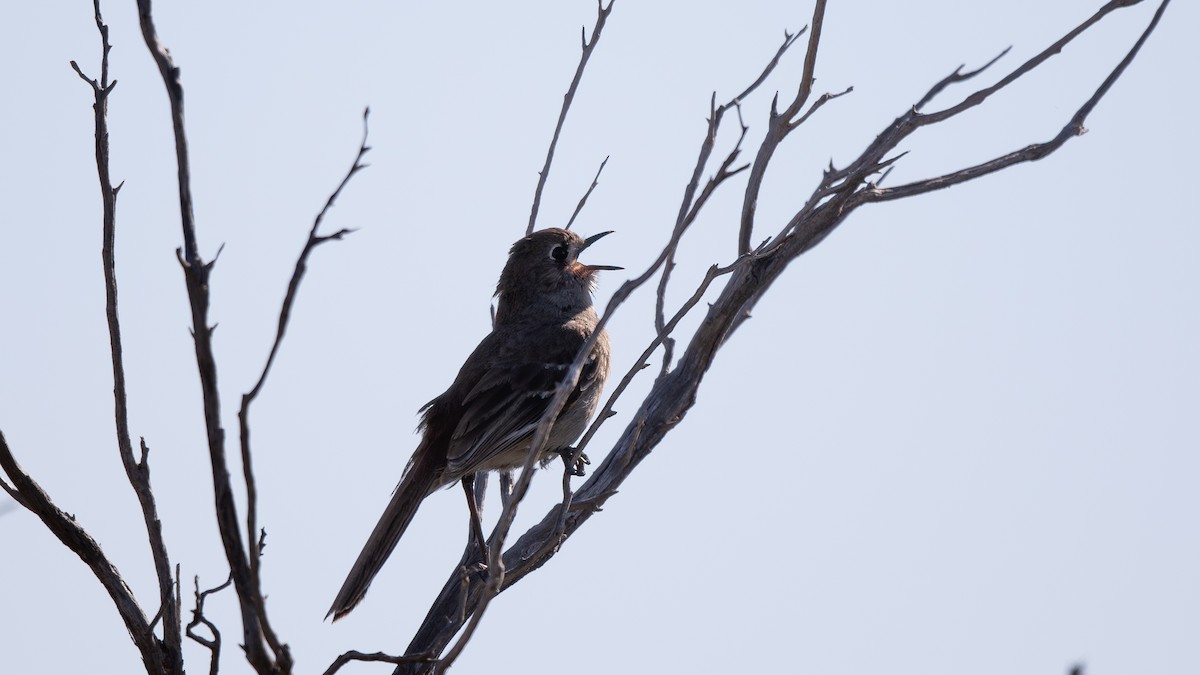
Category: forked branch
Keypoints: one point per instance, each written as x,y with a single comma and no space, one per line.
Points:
748,279
256,636
253,535
1030,153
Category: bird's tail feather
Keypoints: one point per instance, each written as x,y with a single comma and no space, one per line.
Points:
417,483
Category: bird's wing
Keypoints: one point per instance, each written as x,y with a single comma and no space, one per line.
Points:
501,411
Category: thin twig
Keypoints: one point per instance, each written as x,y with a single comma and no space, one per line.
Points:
983,94
314,240
690,205
602,13
1030,153
137,472
639,365
956,77
213,644
496,577
854,174
724,172
584,198
821,100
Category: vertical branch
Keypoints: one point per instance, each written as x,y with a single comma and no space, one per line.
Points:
196,273
138,472
602,13
778,127
170,76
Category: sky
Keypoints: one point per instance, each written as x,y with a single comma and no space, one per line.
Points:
959,435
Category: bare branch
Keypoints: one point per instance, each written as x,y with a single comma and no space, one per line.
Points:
496,564
983,94
810,61
640,364
602,13
255,536
691,204
12,492
788,39
170,76
377,657
724,172
778,127
213,644
856,172
137,472
1030,153
74,537
821,100
314,240
196,272
673,392
430,633
584,198
956,77
167,583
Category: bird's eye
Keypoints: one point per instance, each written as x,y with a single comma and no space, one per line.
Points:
559,253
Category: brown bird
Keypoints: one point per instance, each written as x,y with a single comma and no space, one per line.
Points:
487,417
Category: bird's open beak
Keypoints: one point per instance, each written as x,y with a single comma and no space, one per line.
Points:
588,242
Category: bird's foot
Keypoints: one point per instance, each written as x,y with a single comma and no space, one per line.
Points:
581,460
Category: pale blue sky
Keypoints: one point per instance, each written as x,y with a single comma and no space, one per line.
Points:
960,435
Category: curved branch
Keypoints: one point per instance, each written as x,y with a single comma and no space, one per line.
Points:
253,536
285,311
74,537
213,644
983,94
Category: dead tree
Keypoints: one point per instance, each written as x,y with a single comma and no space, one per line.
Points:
759,253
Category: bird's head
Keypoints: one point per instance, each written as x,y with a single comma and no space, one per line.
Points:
544,275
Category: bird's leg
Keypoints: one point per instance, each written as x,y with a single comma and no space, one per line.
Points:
468,483
576,467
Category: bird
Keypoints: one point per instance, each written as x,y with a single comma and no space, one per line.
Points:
486,419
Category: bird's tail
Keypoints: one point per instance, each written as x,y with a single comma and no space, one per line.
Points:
419,480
